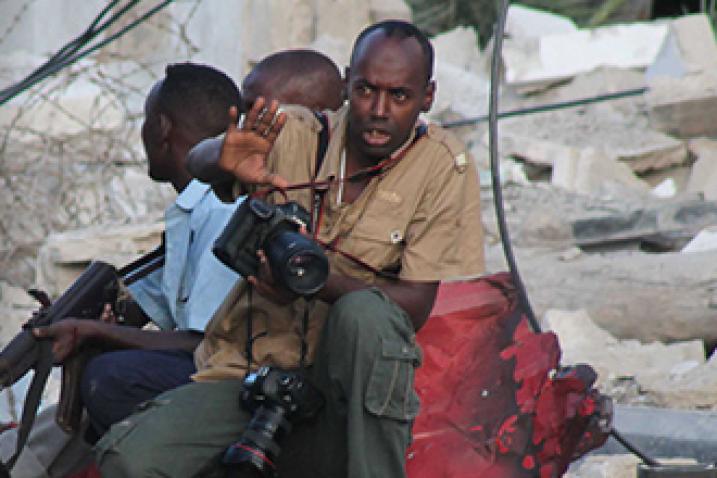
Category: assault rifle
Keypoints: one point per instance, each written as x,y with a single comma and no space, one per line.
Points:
98,285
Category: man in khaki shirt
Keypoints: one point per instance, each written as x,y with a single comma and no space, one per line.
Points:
401,214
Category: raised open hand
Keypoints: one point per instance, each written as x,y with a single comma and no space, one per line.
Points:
246,148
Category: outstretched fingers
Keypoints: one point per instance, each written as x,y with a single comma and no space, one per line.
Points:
265,120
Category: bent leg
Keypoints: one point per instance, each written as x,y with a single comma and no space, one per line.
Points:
178,434
365,366
114,383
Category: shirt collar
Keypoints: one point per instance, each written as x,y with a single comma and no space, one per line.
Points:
191,195
338,144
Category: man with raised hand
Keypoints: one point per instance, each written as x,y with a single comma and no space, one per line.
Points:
401,213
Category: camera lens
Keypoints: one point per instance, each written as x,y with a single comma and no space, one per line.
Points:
258,447
297,262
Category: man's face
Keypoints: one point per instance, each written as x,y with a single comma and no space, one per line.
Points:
152,138
387,90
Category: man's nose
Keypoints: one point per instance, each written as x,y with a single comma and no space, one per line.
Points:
380,104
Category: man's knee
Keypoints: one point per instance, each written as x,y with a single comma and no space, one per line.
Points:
367,314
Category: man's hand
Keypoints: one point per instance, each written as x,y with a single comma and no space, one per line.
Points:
245,149
67,336
264,284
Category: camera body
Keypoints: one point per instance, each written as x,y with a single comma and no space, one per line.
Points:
277,399
297,262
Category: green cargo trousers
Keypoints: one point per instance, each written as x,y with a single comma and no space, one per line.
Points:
364,367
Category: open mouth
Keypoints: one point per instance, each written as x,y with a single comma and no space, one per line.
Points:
374,137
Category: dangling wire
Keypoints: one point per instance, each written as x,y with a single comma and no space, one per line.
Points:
495,167
77,48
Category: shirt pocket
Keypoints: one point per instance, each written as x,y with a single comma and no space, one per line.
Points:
378,239
390,392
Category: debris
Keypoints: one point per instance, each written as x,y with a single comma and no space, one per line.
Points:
541,138
705,240
65,255
689,49
684,107
582,341
665,432
560,56
703,179
589,171
666,189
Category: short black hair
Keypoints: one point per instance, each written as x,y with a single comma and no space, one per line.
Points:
198,97
400,29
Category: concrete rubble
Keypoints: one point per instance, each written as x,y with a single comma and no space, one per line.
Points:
65,255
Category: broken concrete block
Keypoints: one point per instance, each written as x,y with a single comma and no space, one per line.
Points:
565,55
543,137
661,432
590,171
65,255
649,297
685,107
667,188
689,48
459,47
695,387
332,18
459,92
705,240
599,465
582,341
703,178
527,22
679,219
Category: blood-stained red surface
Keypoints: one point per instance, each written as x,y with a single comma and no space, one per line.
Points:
495,402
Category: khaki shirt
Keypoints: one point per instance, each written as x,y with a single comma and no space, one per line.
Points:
420,216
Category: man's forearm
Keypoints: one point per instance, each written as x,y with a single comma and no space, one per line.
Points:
130,337
203,162
416,298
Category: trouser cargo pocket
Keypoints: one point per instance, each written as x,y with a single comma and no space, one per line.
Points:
390,391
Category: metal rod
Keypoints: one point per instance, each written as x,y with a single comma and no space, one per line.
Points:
634,450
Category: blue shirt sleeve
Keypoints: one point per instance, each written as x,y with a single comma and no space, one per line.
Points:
147,292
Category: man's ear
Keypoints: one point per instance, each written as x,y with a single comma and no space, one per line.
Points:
429,96
165,127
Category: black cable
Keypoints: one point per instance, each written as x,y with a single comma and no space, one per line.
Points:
548,107
71,53
495,169
66,51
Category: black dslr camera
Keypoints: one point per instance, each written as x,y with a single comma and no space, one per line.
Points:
297,262
277,398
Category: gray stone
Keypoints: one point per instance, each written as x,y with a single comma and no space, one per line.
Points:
65,255
684,107
565,55
689,48
703,177
660,432
543,137
581,341
589,171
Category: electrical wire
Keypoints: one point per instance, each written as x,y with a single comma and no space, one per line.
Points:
78,48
